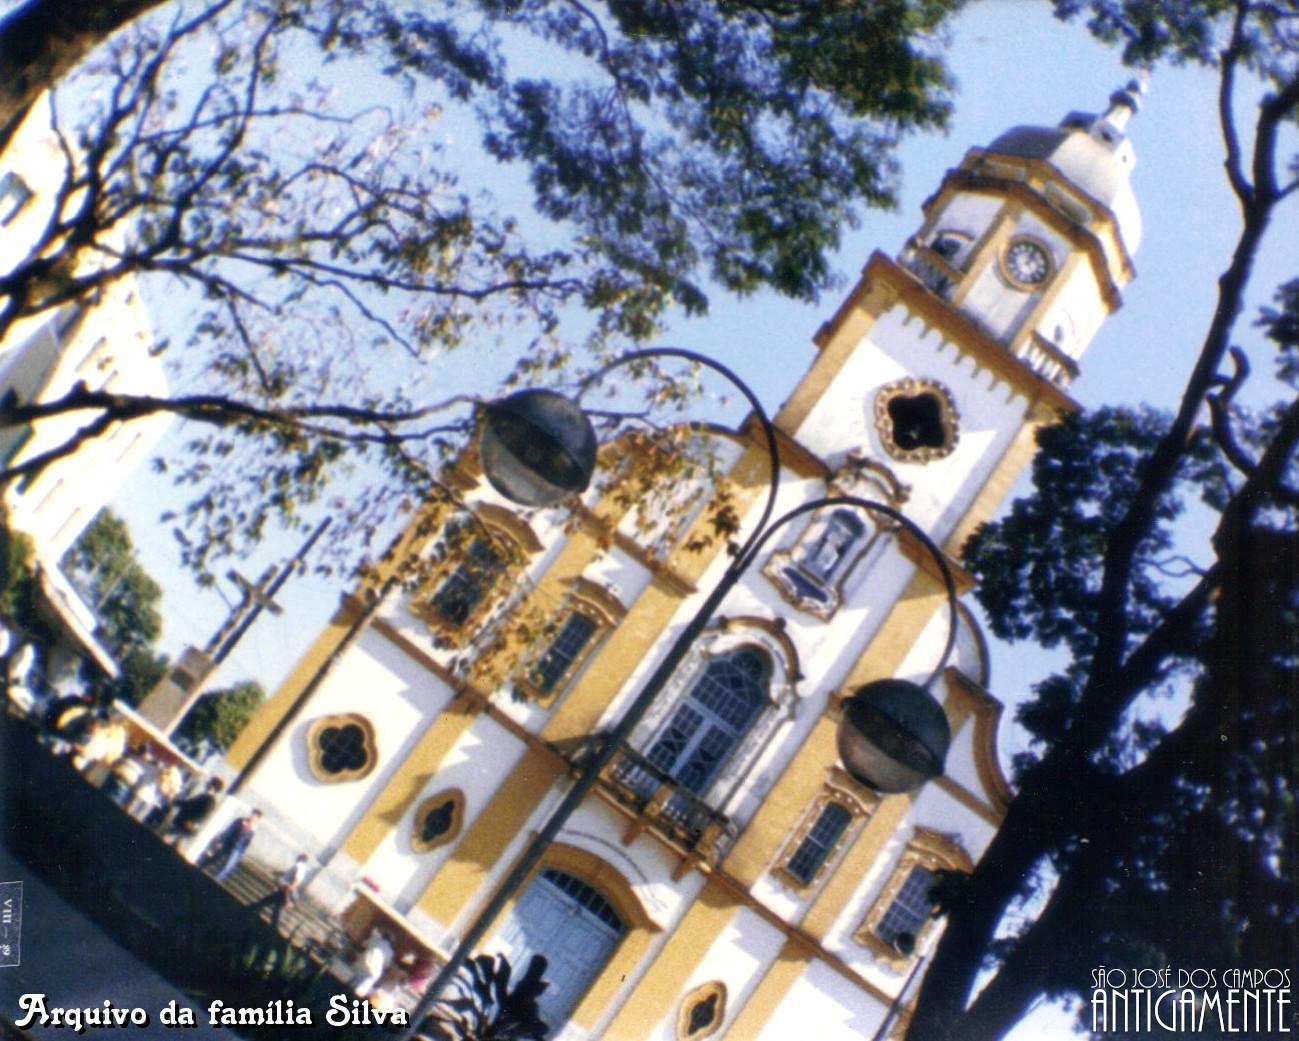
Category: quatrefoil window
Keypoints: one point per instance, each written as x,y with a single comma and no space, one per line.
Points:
341,748
916,420
438,820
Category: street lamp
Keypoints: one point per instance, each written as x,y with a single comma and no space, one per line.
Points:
538,446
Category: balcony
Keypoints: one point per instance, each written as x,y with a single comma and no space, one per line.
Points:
1046,359
931,268
655,800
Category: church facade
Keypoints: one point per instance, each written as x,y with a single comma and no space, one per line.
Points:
726,878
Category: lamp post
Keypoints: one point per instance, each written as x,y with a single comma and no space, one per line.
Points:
538,447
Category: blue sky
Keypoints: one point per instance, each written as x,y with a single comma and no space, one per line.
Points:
1015,64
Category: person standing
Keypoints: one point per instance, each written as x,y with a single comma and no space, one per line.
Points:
374,960
228,850
285,893
192,812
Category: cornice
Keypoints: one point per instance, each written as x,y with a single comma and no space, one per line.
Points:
894,284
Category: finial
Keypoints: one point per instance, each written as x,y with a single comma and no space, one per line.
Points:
1126,102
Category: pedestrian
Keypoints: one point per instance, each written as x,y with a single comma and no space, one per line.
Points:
103,746
126,774
145,795
192,812
226,851
285,893
372,963
171,782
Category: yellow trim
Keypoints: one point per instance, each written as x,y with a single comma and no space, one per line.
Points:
857,813
713,990
459,880
1003,263
860,858
789,797
511,542
1018,455
615,887
927,848
768,831
276,707
1047,300
598,606
837,338
986,711
949,419
986,250
962,332
619,655
660,988
602,875
423,762
785,970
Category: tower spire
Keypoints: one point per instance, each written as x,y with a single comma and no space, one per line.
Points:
1126,101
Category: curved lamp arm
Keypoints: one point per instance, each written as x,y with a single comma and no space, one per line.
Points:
949,582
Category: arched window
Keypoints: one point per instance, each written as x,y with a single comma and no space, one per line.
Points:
475,559
574,926
706,727
586,617
461,593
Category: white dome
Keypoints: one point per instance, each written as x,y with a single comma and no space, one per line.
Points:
1092,153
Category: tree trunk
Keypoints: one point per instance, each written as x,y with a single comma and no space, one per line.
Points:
44,39
1036,821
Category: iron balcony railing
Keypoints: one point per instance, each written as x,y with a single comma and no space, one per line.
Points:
652,795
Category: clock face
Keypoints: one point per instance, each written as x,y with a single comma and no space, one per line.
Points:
1027,263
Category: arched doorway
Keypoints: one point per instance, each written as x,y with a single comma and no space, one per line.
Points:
574,926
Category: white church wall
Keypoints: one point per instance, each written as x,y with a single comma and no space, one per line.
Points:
475,766
969,213
738,958
989,414
823,1005
617,572
1077,312
400,698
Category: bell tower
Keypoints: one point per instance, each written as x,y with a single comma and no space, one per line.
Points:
942,363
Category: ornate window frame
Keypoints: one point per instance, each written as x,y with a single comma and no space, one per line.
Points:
713,991
513,541
864,478
457,799
795,582
782,698
928,849
600,607
949,418
315,753
859,811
